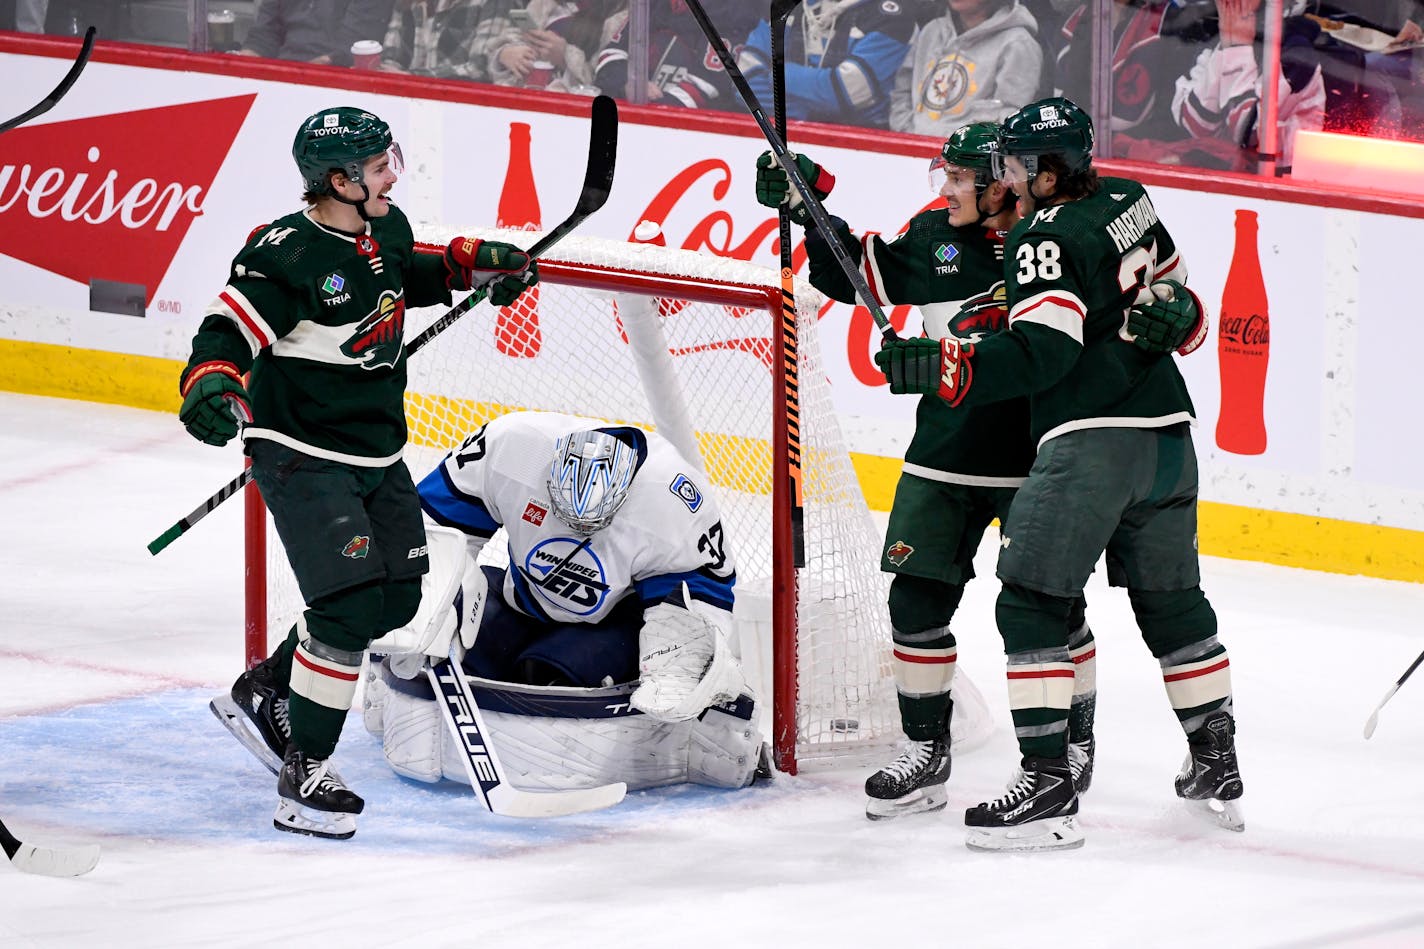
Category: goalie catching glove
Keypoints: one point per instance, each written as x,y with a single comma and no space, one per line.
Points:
512,268
1172,319
684,660
214,400
923,366
773,186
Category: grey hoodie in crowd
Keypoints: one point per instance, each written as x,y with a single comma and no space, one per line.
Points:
951,78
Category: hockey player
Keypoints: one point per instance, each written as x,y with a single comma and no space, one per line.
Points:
602,652
1115,470
961,469
315,308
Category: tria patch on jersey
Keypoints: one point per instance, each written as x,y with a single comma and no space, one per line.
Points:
379,337
946,259
333,289
898,552
686,492
535,514
357,547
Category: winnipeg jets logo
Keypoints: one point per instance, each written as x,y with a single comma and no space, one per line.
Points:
567,574
982,315
379,337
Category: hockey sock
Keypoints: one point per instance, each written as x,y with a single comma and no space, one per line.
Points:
1035,630
1198,681
323,686
1083,650
924,672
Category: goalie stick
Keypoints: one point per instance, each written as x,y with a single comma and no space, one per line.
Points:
597,183
51,100
482,765
48,861
1374,716
778,148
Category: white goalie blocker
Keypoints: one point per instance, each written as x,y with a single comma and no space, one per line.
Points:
554,737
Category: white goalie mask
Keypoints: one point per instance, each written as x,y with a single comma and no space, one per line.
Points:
589,479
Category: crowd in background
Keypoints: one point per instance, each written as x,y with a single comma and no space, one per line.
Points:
1185,74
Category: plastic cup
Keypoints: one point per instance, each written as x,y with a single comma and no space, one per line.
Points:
365,54
540,74
222,30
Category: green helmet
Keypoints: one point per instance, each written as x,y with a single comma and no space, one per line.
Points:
339,139
970,146
1053,126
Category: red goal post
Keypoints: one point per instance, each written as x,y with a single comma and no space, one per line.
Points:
683,343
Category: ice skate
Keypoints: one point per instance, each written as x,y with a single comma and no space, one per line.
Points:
255,711
313,800
911,784
1210,781
1039,812
1080,763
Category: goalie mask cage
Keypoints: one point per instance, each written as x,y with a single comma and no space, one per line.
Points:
682,343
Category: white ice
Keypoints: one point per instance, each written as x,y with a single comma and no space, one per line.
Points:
108,657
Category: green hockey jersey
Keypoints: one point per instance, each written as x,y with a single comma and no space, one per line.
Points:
318,315
955,277
1072,270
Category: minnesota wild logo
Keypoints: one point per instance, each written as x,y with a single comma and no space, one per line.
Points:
898,552
357,547
982,315
379,336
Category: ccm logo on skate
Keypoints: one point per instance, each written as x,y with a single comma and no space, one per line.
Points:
465,724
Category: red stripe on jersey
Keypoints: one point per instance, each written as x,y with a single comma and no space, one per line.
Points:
1086,656
1062,302
325,670
423,248
867,269
1177,676
247,320
933,660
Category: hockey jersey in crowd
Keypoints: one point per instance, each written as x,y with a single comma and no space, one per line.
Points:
841,59
682,69
668,532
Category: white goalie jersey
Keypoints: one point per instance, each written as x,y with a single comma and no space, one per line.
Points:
667,533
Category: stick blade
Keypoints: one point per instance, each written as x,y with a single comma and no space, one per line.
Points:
53,862
1370,724
507,801
602,155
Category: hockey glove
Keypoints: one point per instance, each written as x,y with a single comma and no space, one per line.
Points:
773,186
923,366
464,255
213,401
1174,320
506,289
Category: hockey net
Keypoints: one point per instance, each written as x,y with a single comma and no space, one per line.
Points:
682,343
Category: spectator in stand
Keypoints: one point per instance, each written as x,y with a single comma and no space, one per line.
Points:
1220,97
979,62
446,38
1154,42
315,31
553,45
682,69
841,59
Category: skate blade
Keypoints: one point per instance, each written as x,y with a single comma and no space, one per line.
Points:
1224,814
296,819
918,801
235,721
1053,833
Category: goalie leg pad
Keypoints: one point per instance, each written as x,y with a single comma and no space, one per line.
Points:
413,734
452,601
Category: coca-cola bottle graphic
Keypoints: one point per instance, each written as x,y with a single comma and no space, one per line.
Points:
516,329
1243,346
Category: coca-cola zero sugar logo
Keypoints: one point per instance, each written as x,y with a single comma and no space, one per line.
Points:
112,196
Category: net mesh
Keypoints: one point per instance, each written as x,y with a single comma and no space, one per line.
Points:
565,347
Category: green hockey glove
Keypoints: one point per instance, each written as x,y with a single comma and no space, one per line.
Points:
464,255
773,186
506,289
1174,320
923,366
213,401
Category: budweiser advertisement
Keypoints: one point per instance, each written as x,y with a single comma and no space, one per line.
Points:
153,177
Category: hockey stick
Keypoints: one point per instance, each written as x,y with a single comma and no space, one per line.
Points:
49,101
788,430
788,164
1374,716
482,765
48,861
597,183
